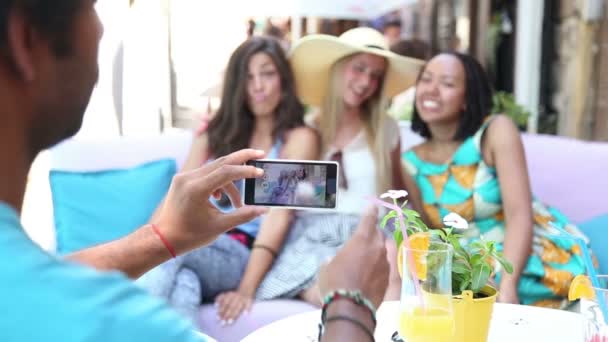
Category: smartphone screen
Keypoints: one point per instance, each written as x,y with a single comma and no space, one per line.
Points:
293,183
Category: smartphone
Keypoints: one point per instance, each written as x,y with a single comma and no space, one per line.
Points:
297,184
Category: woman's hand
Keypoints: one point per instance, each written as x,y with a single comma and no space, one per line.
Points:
230,305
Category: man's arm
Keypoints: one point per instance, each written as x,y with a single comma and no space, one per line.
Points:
343,330
360,265
186,220
133,254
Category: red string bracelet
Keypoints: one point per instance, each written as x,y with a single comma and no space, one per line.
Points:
162,238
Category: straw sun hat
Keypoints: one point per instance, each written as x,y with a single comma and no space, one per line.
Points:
313,56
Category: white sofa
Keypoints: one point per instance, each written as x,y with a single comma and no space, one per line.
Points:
121,153
565,172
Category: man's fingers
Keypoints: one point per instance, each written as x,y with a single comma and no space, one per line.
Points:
234,194
236,158
224,175
367,225
242,156
242,215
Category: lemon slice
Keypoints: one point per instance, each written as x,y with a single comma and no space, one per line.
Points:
581,288
419,243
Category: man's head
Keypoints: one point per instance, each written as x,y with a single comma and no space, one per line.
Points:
48,66
392,31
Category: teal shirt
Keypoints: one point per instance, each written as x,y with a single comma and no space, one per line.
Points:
44,298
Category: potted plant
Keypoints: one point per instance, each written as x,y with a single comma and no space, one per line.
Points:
504,103
472,266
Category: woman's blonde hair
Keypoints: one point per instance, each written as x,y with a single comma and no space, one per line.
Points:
374,121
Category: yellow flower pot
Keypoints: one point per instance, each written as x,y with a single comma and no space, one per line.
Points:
472,315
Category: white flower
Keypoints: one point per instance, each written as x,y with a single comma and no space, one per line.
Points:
394,194
454,220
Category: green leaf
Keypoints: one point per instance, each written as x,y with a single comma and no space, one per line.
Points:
390,215
479,277
458,249
504,103
506,265
478,245
464,285
398,234
420,224
490,247
461,255
460,268
475,259
410,213
440,233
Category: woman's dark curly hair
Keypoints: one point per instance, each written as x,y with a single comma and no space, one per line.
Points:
478,99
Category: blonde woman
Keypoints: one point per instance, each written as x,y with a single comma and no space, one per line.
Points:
349,78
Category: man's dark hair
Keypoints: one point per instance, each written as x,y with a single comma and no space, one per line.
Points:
53,18
412,48
478,99
391,23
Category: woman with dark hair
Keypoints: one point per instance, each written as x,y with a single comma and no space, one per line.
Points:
259,109
348,78
473,163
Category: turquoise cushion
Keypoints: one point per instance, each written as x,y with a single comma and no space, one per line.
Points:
95,207
596,230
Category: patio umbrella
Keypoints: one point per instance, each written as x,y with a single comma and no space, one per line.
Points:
341,9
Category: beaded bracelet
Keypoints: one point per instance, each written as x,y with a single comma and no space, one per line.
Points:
362,326
354,296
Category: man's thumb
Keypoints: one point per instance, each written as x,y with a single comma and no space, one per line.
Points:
367,225
241,215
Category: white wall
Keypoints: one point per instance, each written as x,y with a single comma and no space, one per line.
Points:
100,119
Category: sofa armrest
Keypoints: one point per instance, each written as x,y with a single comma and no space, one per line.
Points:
568,174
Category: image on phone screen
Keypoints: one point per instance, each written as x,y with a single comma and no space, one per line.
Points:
287,183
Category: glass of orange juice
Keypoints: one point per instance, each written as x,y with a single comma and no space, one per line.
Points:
597,328
426,312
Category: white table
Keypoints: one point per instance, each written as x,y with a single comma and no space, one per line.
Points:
509,323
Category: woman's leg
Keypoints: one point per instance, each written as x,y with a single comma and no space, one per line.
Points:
218,266
186,295
160,281
311,295
176,284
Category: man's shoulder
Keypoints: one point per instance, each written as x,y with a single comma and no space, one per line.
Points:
51,299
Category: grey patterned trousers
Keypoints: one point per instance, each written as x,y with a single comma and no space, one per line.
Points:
198,276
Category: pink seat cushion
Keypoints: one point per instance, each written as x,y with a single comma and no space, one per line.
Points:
262,313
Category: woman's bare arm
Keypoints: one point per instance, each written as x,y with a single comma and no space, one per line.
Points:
507,154
302,143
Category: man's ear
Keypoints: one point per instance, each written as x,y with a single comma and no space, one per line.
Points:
19,38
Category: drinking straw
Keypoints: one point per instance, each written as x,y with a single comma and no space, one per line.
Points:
406,241
589,265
